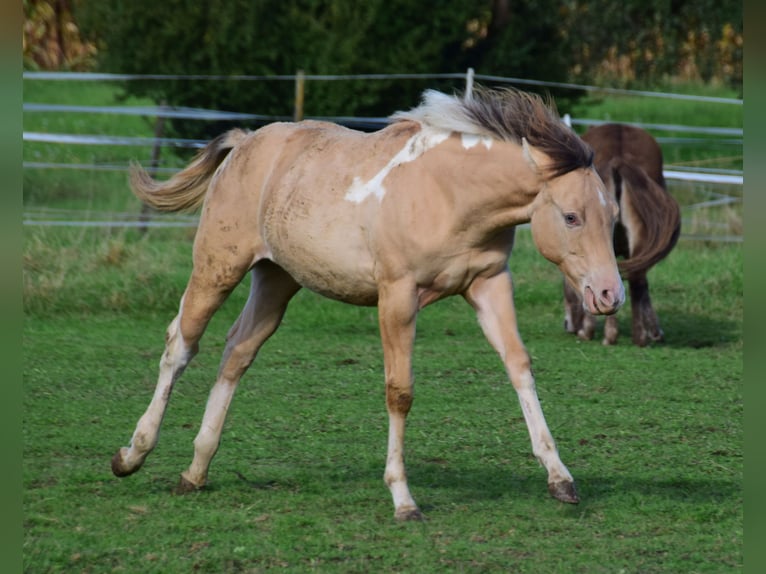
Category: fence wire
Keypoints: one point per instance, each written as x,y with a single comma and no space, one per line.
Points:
46,217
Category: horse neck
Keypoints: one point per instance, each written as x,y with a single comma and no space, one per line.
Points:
491,182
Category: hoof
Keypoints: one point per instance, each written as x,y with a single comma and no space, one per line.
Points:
118,465
184,486
584,335
409,514
564,491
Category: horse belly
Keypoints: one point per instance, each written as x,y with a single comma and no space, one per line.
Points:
330,258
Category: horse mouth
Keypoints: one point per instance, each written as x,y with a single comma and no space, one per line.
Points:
591,304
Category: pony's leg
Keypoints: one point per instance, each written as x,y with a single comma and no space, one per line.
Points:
646,325
573,309
200,300
492,298
576,319
397,311
270,292
588,329
611,330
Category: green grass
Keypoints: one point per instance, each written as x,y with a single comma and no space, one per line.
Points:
653,436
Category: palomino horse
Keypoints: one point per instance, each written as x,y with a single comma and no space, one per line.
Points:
629,161
400,218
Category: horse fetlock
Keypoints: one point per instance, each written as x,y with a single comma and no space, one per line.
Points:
143,442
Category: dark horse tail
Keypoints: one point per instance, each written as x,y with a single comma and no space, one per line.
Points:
185,191
656,210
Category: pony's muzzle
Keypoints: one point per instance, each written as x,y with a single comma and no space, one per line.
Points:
606,302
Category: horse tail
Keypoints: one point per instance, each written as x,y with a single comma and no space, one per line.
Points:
654,218
185,191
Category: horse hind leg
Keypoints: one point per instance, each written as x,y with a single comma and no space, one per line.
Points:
202,298
270,292
178,353
645,324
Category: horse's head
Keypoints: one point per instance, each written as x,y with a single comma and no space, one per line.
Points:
572,222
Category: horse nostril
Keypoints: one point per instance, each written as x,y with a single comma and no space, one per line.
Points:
607,297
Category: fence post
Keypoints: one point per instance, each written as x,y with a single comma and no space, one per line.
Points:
159,132
469,84
300,81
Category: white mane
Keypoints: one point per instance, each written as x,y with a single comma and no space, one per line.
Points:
444,112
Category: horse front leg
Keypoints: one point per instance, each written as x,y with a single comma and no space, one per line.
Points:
397,311
492,298
576,319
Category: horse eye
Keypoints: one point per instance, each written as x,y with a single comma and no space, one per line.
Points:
571,219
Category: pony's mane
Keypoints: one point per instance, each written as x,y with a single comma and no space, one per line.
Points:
505,114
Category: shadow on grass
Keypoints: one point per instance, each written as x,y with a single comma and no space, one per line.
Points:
682,330
690,490
439,484
490,483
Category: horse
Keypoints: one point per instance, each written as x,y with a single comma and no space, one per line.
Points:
629,161
423,209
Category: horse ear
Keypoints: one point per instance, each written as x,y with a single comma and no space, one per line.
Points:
532,156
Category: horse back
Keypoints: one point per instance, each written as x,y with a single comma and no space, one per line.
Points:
634,145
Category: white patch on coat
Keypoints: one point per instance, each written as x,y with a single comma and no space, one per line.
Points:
471,140
427,138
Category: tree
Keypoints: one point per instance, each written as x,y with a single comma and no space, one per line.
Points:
268,37
51,38
629,43
646,42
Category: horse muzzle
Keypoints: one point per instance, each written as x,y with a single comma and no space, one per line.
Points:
604,302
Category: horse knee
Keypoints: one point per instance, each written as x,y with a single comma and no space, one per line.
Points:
398,400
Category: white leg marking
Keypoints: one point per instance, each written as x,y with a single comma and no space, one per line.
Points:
543,445
395,475
209,436
175,358
416,146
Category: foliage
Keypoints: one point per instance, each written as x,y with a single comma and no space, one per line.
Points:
627,44
51,38
647,42
272,37
320,37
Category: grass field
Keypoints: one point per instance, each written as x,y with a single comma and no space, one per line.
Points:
652,436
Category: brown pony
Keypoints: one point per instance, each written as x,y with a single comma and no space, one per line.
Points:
629,161
421,210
